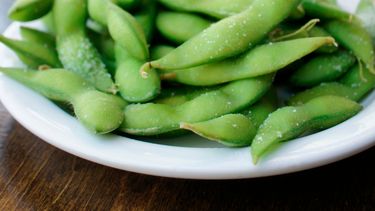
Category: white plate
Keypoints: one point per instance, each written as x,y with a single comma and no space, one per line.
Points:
187,157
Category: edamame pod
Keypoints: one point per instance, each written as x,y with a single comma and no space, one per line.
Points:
76,52
132,86
153,119
32,54
158,51
98,111
262,60
180,27
228,37
33,35
290,122
28,10
325,10
127,32
320,32
323,68
355,38
177,96
215,8
354,85
146,18
234,130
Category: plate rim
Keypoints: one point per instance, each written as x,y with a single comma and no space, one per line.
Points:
30,120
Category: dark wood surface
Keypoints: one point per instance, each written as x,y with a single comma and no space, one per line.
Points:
37,176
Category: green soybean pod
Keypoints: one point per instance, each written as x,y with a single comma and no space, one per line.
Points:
290,122
158,51
179,95
76,51
153,119
32,54
228,37
215,8
104,43
354,85
48,22
127,32
127,4
180,27
234,130
261,60
132,86
355,38
361,82
146,18
325,10
33,35
98,111
320,32
323,68
28,10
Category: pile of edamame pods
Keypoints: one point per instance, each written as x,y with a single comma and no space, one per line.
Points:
211,67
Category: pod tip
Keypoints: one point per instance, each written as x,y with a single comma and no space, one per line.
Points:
145,69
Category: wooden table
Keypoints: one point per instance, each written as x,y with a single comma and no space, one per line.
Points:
37,176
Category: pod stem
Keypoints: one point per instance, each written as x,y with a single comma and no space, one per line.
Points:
145,69
168,76
305,28
186,126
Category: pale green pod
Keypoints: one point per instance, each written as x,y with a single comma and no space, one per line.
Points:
180,27
100,112
262,60
228,37
290,122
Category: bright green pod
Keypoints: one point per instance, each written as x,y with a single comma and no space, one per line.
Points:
28,10
228,37
366,13
262,60
98,10
127,32
323,68
31,53
132,86
215,8
49,22
354,85
355,38
291,122
179,27
98,111
33,35
234,130
104,43
146,18
360,80
153,119
158,51
177,96
75,50
332,88
325,10
320,32
127,4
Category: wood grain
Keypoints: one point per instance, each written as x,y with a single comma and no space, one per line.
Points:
37,176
